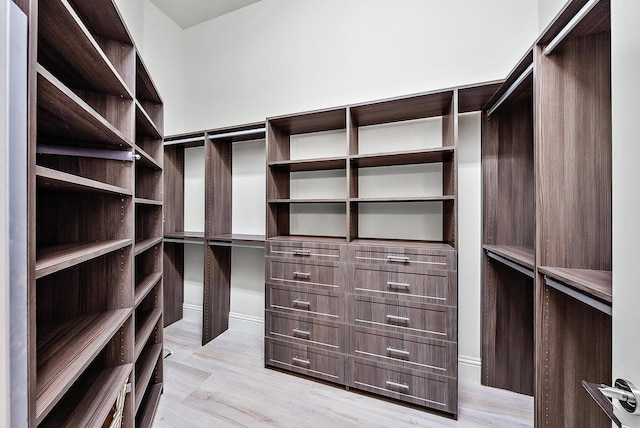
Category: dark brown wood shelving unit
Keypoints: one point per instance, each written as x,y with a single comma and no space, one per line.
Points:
546,161
94,218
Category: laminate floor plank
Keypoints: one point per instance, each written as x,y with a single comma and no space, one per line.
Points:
225,384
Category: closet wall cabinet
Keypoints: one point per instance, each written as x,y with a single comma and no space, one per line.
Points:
546,160
361,269
217,239
95,215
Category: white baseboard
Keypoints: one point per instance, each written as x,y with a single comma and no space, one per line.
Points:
192,312
469,369
237,321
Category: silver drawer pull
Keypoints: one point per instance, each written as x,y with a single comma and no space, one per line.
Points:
301,252
302,274
397,385
395,318
398,284
301,361
394,258
400,352
298,332
298,302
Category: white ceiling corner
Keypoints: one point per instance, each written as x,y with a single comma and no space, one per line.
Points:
187,13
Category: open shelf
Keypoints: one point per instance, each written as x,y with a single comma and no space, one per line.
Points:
145,244
95,404
149,405
310,238
306,201
594,283
59,22
405,199
144,123
520,255
145,88
435,245
184,235
310,164
69,117
237,239
57,180
65,348
145,366
151,202
410,157
146,160
53,259
146,321
145,285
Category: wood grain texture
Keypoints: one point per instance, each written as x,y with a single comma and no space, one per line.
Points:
309,164
307,360
218,184
508,328
145,124
402,108
122,56
105,21
595,283
217,293
304,123
437,257
146,321
520,255
145,88
308,301
149,184
57,180
147,410
144,369
574,156
404,158
173,275
321,274
111,172
474,97
174,189
299,329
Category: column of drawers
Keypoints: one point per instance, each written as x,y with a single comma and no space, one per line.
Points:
305,311
402,324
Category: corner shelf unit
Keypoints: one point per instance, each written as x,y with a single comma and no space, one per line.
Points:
352,298
90,209
217,238
546,161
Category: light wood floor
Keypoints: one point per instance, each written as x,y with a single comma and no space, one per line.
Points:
225,384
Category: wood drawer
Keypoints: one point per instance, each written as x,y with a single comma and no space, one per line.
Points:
437,322
406,283
312,273
425,389
308,301
305,330
424,257
314,362
414,352
307,250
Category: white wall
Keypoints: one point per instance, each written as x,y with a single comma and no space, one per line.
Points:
625,86
547,10
4,226
285,56
132,12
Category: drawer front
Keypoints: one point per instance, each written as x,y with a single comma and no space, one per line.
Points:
425,258
308,301
436,392
305,330
305,360
406,283
414,352
436,322
307,250
319,274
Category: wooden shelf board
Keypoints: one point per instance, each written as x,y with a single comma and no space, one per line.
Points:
405,199
474,97
144,328
105,20
436,245
440,154
143,201
62,29
520,255
312,121
417,106
594,283
144,124
97,402
239,239
144,370
149,407
53,259
74,118
513,76
146,160
184,235
310,164
145,285
52,179
307,201
311,238
145,244
65,349
145,89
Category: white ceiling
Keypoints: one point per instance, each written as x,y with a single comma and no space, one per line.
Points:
187,13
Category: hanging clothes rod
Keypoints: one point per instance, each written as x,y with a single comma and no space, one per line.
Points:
184,140
593,302
237,133
511,89
46,149
570,26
